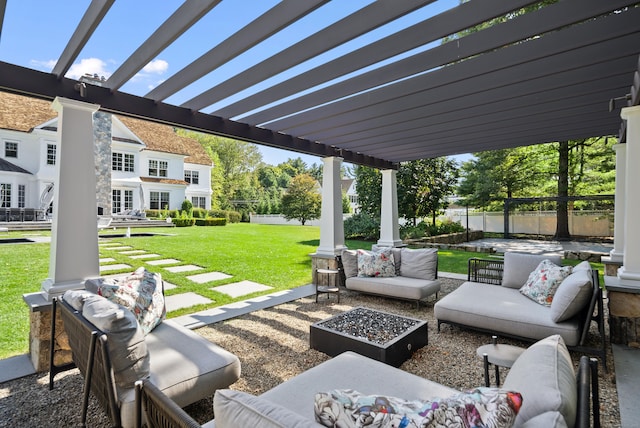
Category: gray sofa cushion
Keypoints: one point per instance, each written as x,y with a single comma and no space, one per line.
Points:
127,347
518,266
546,420
544,376
396,286
352,371
501,309
239,409
421,264
572,295
350,263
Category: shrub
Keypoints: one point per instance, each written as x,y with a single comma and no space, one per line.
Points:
423,229
234,217
361,225
153,213
231,216
211,221
184,222
187,206
199,213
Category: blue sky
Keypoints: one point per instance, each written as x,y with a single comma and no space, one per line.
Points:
35,33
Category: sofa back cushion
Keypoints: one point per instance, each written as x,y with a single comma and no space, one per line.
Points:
350,263
544,375
127,348
239,409
420,264
573,294
518,266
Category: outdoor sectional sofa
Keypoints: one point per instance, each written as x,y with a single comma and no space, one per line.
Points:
552,394
112,352
491,301
414,275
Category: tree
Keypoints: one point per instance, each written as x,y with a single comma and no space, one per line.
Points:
302,201
369,190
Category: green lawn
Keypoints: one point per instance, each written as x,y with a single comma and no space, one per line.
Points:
277,256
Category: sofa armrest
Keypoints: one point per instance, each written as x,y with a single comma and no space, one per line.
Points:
485,271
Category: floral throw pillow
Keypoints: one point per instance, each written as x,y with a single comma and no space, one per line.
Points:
481,407
544,281
141,292
376,263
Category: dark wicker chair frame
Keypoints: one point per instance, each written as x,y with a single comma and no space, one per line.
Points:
491,271
90,351
159,410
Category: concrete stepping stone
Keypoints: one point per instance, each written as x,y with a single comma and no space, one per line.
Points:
110,244
132,252
122,247
202,278
107,260
168,286
145,256
163,262
183,268
241,288
114,267
184,300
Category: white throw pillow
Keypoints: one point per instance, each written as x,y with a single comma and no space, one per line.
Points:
544,281
376,263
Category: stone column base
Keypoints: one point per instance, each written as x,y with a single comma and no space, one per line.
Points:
321,261
624,318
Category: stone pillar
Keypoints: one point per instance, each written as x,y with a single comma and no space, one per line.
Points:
74,233
331,220
389,227
629,273
102,155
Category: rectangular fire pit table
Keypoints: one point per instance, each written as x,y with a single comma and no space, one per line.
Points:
375,334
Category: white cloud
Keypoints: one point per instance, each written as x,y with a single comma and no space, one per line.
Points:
43,65
157,66
88,66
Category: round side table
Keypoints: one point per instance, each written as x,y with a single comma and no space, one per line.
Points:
327,289
500,355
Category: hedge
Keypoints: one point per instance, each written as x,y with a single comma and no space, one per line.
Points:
184,222
211,221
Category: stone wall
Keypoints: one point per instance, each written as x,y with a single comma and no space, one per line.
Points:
102,155
624,318
40,340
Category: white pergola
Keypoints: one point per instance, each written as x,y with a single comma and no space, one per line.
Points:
544,76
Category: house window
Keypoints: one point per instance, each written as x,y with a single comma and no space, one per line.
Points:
10,149
192,177
199,202
51,154
122,162
116,206
116,161
121,200
129,162
21,195
158,168
5,195
159,200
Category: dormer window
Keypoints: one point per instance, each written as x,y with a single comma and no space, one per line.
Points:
158,168
10,149
191,177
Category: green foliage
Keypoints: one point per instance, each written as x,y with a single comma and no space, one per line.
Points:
231,216
199,213
302,201
362,225
424,229
187,207
211,221
369,190
346,205
184,222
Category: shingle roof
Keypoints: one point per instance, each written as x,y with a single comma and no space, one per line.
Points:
5,165
162,180
20,113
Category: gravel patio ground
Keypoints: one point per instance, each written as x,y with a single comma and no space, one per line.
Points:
273,346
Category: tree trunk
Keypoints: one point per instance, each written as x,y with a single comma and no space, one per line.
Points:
562,210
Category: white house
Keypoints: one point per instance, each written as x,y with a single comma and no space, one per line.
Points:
139,165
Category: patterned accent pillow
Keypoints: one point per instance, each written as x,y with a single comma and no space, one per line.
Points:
376,263
544,281
141,292
477,408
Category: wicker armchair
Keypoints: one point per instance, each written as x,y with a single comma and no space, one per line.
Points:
159,410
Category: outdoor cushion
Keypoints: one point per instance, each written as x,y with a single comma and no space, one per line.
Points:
396,286
544,375
482,407
546,420
239,409
127,347
501,309
572,295
518,266
350,263
376,263
76,298
544,281
421,264
397,256
141,292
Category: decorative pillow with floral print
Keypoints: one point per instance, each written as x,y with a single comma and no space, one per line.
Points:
544,281
480,407
376,263
141,292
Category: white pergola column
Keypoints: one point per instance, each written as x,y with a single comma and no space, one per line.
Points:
629,273
389,227
74,233
618,223
331,221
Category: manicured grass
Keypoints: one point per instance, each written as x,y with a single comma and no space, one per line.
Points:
277,256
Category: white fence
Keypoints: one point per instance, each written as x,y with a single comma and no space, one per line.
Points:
279,219
581,223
